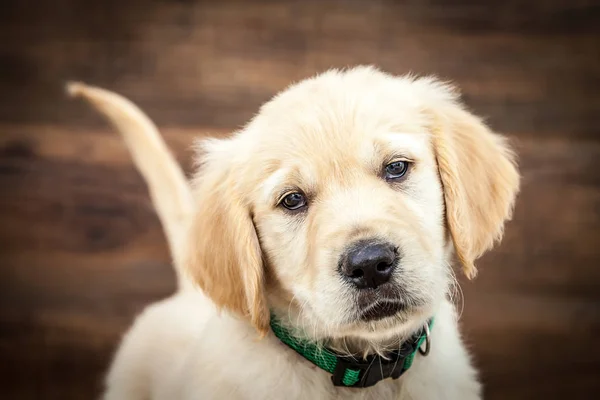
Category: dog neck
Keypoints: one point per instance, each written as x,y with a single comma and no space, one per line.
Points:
354,370
378,338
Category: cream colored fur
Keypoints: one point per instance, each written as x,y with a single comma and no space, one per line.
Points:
329,137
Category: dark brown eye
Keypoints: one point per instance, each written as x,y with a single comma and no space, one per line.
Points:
396,170
294,201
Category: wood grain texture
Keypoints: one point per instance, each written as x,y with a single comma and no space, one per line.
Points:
81,251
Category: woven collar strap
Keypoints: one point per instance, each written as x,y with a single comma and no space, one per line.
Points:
348,371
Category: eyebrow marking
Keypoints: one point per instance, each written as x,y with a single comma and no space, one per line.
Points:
273,181
402,145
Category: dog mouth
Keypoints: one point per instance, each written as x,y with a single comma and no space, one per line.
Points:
381,309
386,301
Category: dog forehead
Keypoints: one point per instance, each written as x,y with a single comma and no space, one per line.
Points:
339,139
336,111
338,122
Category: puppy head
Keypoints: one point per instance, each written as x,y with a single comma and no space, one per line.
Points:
339,205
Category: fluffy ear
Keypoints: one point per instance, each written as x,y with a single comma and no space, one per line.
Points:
479,178
223,252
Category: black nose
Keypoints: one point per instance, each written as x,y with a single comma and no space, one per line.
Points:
369,264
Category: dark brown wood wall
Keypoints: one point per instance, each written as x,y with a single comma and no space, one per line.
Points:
81,251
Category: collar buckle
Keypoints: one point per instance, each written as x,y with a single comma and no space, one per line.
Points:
370,371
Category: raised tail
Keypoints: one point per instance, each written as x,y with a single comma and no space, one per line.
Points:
169,189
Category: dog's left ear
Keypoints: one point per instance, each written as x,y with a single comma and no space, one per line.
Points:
479,177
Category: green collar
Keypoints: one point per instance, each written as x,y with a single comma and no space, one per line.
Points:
349,372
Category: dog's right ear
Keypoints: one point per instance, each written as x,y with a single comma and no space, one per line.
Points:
223,253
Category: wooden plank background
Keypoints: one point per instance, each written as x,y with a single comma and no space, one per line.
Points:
81,251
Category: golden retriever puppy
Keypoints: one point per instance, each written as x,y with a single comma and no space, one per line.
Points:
315,257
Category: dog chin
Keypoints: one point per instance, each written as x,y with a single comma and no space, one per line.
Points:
402,323
381,310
